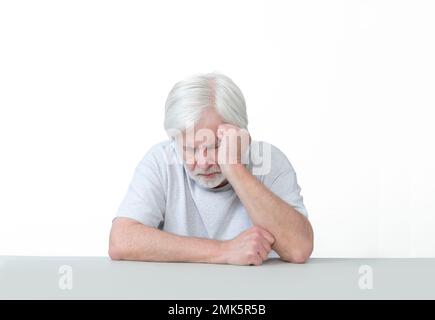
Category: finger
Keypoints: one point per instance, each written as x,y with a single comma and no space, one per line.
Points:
266,244
219,133
262,252
256,260
266,234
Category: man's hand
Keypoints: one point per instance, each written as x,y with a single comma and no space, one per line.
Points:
250,247
233,146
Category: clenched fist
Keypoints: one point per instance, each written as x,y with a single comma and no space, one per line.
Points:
250,247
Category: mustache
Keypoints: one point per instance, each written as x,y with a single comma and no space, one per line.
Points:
207,172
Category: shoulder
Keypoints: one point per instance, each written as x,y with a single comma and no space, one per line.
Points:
160,153
267,158
156,163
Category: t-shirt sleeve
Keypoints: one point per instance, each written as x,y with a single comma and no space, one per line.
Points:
284,182
286,187
145,197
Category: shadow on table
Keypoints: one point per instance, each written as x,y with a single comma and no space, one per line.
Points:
278,261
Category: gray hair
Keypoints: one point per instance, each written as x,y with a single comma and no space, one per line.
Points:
191,96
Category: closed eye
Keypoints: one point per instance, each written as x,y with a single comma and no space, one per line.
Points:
189,149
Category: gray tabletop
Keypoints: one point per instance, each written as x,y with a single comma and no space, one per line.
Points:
101,278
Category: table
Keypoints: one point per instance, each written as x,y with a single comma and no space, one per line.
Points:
23,277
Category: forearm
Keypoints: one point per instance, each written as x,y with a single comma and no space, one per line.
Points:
292,231
135,241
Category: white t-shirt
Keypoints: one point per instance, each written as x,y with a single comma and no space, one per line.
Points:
163,196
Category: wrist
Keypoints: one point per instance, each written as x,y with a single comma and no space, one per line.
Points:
221,252
231,170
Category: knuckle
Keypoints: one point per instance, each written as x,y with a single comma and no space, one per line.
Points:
257,237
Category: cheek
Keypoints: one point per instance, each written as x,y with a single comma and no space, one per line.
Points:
213,156
189,159
190,167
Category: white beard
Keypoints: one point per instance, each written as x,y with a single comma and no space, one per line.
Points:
207,182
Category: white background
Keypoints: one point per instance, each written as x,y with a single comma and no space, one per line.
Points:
344,88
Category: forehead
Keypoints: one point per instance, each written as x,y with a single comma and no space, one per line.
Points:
204,131
210,119
194,137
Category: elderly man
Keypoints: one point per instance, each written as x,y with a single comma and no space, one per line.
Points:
210,194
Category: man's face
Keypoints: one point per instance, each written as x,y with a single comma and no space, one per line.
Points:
199,147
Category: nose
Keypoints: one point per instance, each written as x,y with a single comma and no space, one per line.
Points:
203,159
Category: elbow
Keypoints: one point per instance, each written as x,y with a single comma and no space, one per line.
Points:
116,250
122,240
301,254
118,239
115,253
298,257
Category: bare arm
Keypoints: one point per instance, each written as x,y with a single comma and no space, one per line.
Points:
292,230
131,240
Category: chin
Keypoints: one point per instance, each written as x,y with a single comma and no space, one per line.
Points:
210,183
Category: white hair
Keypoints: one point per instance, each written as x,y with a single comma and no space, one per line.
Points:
191,96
